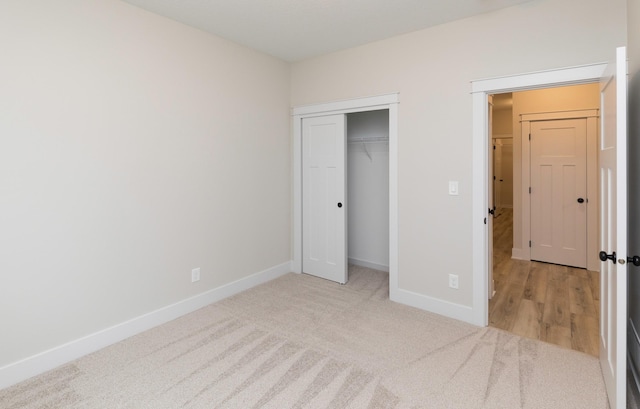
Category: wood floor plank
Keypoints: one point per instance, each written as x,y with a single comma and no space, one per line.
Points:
556,303
529,319
595,290
519,273
505,306
536,286
580,296
584,333
557,335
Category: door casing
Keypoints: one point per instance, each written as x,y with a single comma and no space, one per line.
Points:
481,89
388,101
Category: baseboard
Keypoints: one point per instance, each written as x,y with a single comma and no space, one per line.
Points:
47,360
519,254
434,305
368,264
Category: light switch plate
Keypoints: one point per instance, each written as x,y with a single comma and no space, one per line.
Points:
453,187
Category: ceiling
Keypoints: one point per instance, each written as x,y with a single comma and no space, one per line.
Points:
294,30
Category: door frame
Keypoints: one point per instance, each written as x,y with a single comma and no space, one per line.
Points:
480,90
387,101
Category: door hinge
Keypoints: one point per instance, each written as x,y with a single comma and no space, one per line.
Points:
494,147
529,243
529,136
529,189
485,220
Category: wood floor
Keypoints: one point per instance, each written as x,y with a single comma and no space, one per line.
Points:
549,302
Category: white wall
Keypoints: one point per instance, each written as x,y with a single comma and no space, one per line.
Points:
132,149
432,70
368,189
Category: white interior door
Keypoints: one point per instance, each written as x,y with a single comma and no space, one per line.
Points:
558,191
324,231
613,230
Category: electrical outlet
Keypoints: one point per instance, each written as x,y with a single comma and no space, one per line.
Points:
195,275
453,281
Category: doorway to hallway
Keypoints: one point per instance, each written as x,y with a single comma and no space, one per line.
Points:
557,303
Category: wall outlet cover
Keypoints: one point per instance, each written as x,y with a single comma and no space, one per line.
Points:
195,275
453,281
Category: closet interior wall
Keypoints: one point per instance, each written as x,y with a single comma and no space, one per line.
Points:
368,189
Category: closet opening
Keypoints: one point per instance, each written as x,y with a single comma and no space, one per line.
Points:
368,190
322,192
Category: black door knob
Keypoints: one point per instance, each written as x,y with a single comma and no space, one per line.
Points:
339,204
635,260
580,200
604,256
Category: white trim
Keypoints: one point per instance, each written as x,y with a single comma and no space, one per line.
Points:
519,254
582,74
525,183
480,205
47,360
435,305
390,102
480,90
351,105
393,201
549,116
368,264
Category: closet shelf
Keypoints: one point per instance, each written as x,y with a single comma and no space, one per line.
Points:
367,140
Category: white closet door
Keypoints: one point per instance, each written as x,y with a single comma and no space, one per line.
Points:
324,231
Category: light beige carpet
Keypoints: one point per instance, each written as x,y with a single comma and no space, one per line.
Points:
302,342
